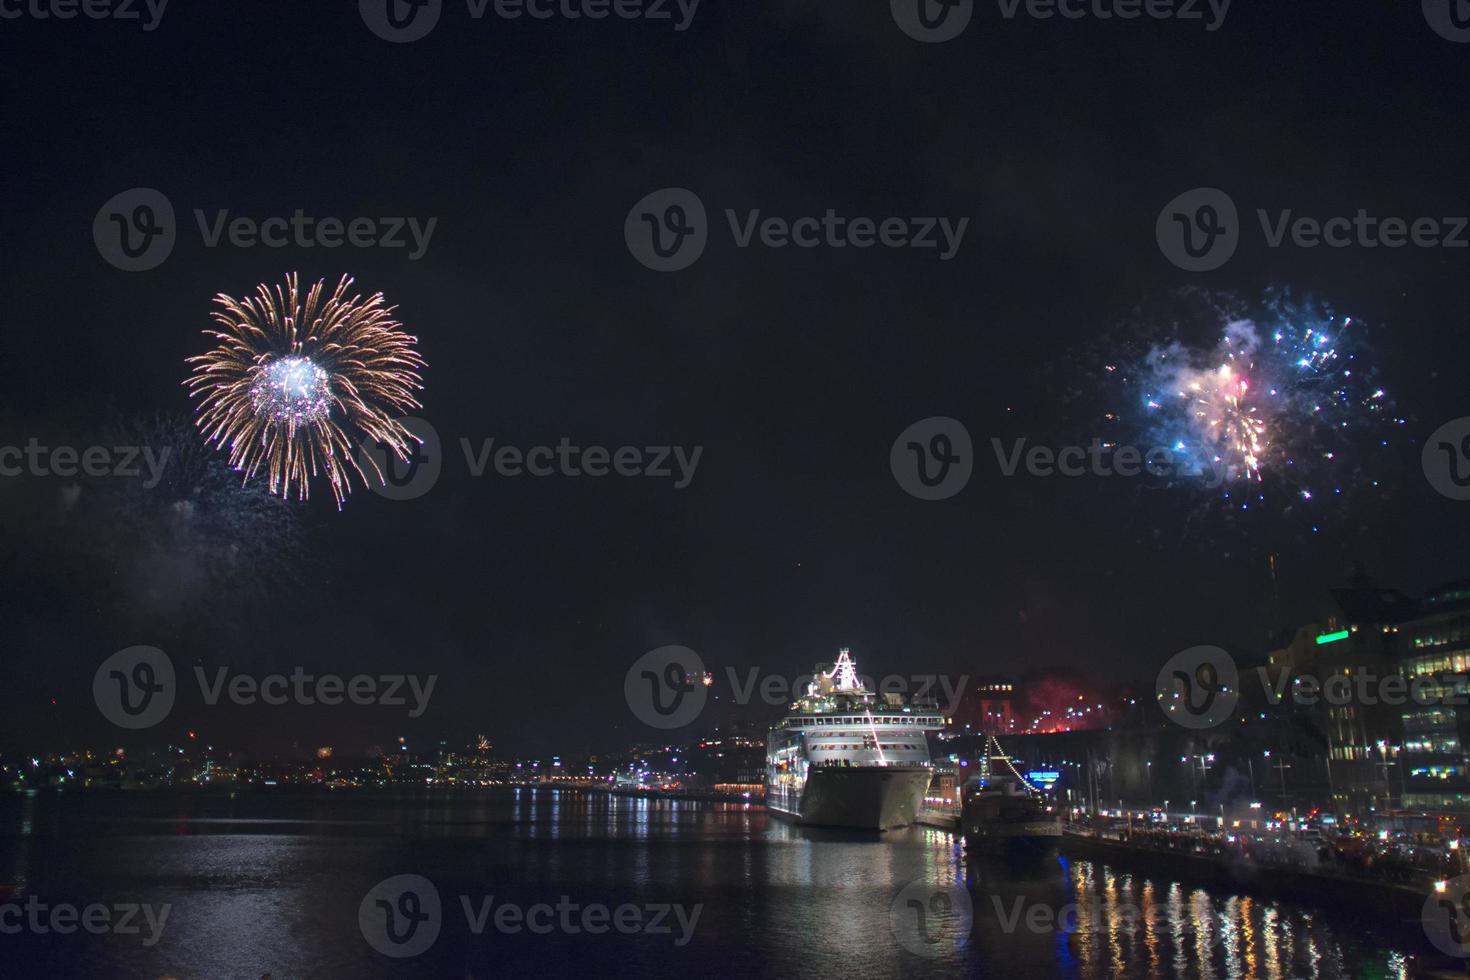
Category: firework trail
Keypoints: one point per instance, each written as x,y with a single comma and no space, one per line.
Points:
291,377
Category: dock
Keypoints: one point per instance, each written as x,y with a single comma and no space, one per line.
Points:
1238,871
942,818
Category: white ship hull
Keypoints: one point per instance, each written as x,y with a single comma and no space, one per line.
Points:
859,798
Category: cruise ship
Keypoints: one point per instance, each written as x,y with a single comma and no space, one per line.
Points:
845,756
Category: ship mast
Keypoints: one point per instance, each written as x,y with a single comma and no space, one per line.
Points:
993,753
844,673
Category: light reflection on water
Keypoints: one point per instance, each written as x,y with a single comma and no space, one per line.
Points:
272,882
1116,923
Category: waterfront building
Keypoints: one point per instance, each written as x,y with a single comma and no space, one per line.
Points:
1434,651
987,706
1331,679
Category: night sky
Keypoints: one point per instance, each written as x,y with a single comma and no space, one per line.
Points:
795,370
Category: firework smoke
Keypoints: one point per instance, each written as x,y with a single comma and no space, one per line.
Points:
294,383
195,548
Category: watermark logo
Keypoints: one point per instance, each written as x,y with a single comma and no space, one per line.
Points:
1447,917
1103,459
135,688
667,230
401,21
933,458
1449,18
929,920
1446,459
407,479
135,230
1199,687
665,687
401,916
1199,230
403,479
932,21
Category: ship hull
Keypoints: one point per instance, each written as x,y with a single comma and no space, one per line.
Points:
1013,838
857,798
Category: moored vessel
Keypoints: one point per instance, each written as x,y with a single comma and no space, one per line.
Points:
845,756
1003,813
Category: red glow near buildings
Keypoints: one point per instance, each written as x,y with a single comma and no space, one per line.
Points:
1065,703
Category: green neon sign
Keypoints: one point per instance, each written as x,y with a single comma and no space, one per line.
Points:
1333,637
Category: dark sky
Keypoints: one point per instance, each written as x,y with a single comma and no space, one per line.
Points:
795,370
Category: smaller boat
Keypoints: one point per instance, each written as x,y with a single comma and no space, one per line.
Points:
1002,813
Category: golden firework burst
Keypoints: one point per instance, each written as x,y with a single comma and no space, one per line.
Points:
294,381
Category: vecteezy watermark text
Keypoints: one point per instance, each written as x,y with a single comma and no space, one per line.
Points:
1181,10
402,916
136,688
1201,687
120,918
1103,459
136,231
668,687
568,459
34,459
299,687
668,230
149,12
934,21
1200,230
402,21
1101,918
308,231
933,459
413,476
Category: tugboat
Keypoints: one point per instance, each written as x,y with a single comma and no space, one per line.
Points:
845,756
1002,813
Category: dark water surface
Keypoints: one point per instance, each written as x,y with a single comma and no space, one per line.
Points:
272,883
